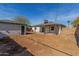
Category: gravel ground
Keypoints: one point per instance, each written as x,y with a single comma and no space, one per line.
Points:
50,44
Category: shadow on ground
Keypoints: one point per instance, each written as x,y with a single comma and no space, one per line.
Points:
9,47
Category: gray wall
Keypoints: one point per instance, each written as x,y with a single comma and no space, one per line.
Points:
9,29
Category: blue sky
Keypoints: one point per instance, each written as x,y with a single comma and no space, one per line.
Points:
36,13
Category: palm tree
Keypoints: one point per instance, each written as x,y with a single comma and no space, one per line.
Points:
68,22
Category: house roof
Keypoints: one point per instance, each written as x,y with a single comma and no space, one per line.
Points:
11,22
49,23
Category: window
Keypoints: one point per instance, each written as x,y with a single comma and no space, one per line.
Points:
52,28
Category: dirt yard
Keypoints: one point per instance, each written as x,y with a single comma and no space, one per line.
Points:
40,44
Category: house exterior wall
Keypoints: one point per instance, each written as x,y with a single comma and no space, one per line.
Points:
9,29
33,28
57,29
60,30
36,29
47,29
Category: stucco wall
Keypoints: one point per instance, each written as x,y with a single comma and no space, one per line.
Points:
9,29
36,29
57,29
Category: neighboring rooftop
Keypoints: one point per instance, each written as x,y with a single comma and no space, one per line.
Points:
46,22
11,22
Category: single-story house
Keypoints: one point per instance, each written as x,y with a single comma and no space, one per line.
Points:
48,27
11,28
